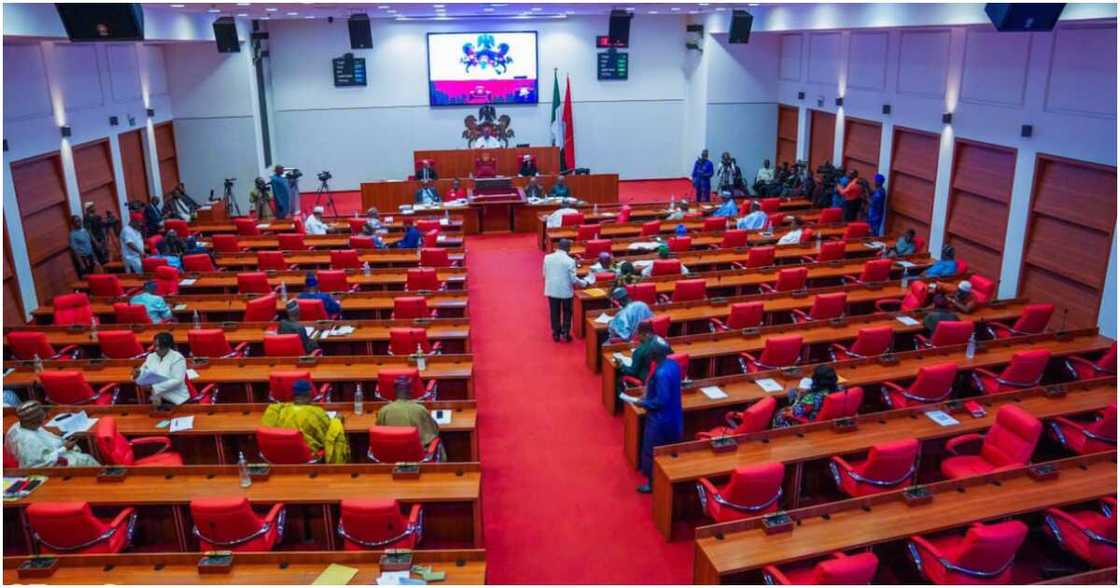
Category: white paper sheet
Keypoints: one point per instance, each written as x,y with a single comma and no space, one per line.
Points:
187,282
713,392
443,222
185,423
624,360
875,244
442,416
149,378
805,383
942,418
72,422
603,319
192,374
179,307
910,322
903,263
392,578
769,385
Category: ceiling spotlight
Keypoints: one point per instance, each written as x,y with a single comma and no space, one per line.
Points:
310,17
176,5
674,9
242,14
654,12
293,14
214,10
270,9
537,9
488,9
383,7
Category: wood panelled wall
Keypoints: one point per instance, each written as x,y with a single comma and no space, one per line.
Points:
135,170
13,301
861,147
979,199
911,183
787,135
93,163
45,213
165,151
1069,238
822,138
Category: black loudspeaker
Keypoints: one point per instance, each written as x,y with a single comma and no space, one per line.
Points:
619,31
102,22
225,33
1024,17
741,22
360,35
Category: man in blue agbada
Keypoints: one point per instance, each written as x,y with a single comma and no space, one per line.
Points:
662,403
625,323
702,172
877,206
280,194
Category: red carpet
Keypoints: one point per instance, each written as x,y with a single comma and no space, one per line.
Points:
558,499
631,191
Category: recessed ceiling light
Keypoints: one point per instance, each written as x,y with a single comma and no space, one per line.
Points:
402,18
383,7
497,5
438,5
537,9
244,4
654,12
176,5
271,9
214,10
694,12
309,17
242,14
293,14
569,12
753,4
674,9
488,9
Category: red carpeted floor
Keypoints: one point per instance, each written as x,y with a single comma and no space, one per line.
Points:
558,499
631,191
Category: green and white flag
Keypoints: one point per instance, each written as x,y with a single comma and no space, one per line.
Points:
557,125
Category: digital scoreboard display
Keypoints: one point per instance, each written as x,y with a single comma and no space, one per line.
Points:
614,65
349,71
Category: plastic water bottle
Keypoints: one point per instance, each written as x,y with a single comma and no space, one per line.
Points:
818,240
243,470
37,364
196,320
672,202
970,349
421,359
595,209
284,291
905,279
93,328
358,399
365,268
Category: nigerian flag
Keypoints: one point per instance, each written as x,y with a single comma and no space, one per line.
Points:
557,125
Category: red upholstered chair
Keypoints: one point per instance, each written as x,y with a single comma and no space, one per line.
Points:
261,310
770,205
430,239
131,314
689,290
285,446
666,267
280,386
246,227
588,232
916,297
1081,368
404,340
733,238
153,244
361,242
198,262
830,251
226,244
1083,437
919,244
760,256
601,277
107,285
831,215
180,227
208,394
297,225
790,279
591,249
1089,534
825,306
120,345
983,289
374,523
72,309
71,528
946,333
778,352
167,280
312,309
776,219
342,259
571,219
412,307
840,569
397,444
680,244
149,264
114,449
25,345
434,257
753,490
870,341
425,225
387,380
856,231
876,270
962,267
71,387
272,261
230,524
644,292
291,242
1008,444
888,466
933,384
422,279
743,315
715,224
1025,370
755,418
624,213
806,235
213,343
651,228
661,324
838,405
356,225
286,346
335,281
253,283
982,555
1033,320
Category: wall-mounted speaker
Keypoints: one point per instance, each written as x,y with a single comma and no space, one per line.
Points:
886,109
225,33
619,30
102,22
1026,131
741,22
360,35
1019,17
801,95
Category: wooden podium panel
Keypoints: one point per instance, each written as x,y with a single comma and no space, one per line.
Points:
452,163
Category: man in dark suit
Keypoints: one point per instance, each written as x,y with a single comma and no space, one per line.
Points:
426,193
153,218
426,171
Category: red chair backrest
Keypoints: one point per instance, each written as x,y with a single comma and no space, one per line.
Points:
422,278
104,285
734,238
1034,319
283,345
757,417
332,281
403,340
72,309
988,548
755,484
427,224
430,239
770,205
745,315
919,244
345,259
831,215
167,280
283,446
715,223
689,290
571,219
889,461
411,307
645,292
873,341
1105,426
372,520
395,444
593,248
225,519
26,345
208,343
1026,367
66,386
290,242
776,219
198,262
246,227
760,256
253,283
260,310
842,404
791,279
271,260
916,296
666,267
149,264
661,324
112,447
297,225
856,230
624,213
361,242
434,257
387,381
280,383
831,250
680,244
781,351
829,306
128,314
1013,437
153,244
982,288
847,570
962,267
1107,362
65,524
651,228
876,270
588,232
356,225
952,333
934,382
119,344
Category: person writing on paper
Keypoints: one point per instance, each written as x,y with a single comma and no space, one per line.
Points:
559,276
640,359
315,225
903,246
311,292
156,306
289,325
662,403
36,447
804,404
170,365
755,221
625,323
406,412
794,236
320,431
662,253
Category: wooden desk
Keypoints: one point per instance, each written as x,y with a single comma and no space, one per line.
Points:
706,245
699,410
450,163
743,546
382,278
222,430
341,240
247,261
668,228
677,467
369,337
454,372
449,491
288,567
337,224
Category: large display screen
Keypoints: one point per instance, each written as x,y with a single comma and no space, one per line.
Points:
482,68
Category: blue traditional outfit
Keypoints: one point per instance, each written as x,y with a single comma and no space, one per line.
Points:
280,194
625,323
411,239
877,206
702,172
664,417
728,209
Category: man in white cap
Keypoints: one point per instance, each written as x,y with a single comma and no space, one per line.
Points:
314,224
36,447
963,299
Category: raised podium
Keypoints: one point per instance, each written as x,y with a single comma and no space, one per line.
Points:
496,199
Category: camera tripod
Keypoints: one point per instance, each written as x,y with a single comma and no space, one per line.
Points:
325,191
230,201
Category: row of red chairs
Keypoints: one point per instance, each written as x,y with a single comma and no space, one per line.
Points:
247,227
770,206
340,259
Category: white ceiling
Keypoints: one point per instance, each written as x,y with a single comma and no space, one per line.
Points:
448,10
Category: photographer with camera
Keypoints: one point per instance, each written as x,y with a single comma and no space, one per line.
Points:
280,193
260,199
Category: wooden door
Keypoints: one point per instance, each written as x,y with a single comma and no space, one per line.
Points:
165,152
822,138
13,301
135,170
861,147
1069,238
45,213
93,162
787,136
979,199
910,185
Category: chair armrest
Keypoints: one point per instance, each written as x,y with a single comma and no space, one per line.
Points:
325,392
662,298
155,440
767,288
432,449
241,350
850,279
921,543
921,341
738,266
708,486
893,387
745,361
800,315
1072,358
776,575
208,394
953,445
132,291
1000,329
437,348
107,388
1065,518
808,259
842,463
122,517
1110,502
733,418
984,372
435,313
834,348
888,305
72,350
414,515
274,512
632,382
316,353
715,325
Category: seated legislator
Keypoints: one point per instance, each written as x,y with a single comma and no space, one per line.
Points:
528,166
411,238
406,412
794,236
289,325
755,221
944,267
903,246
311,292
165,361
456,191
427,193
315,224
662,253
485,166
963,299
320,431
679,212
560,189
729,208
36,447
805,404
158,310
533,189
426,171
625,323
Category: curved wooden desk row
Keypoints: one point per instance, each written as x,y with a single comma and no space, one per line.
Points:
701,411
711,347
369,337
389,220
341,240
677,467
632,229
247,261
706,240
450,493
288,567
724,551
226,281
232,306
220,431
453,372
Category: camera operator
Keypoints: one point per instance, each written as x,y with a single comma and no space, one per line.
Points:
293,175
260,199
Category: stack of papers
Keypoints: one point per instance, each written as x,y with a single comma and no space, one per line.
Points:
713,392
187,282
805,383
263,226
339,331
904,263
72,422
942,418
875,244
181,424
626,361
910,322
603,319
179,307
149,378
648,245
396,578
769,385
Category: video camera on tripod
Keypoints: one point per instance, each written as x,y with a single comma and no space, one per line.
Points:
324,176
